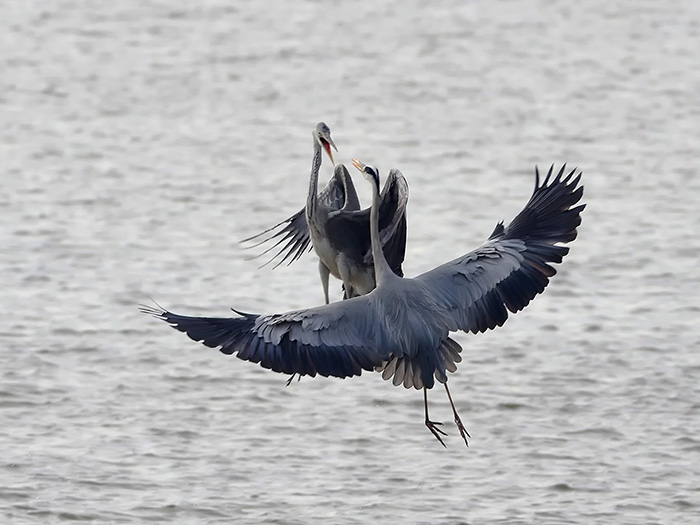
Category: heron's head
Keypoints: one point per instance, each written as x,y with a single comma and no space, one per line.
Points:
369,172
322,134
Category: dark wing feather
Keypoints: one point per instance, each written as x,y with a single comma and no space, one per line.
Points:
392,221
513,266
329,340
341,191
292,239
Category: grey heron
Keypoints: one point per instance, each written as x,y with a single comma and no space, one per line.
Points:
338,230
402,327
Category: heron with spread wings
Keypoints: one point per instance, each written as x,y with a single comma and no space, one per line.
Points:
402,328
337,229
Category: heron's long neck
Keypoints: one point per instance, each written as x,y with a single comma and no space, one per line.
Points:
381,268
312,199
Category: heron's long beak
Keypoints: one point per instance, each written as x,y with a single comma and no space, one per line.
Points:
327,146
359,165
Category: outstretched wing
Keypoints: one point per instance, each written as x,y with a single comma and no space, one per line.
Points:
291,236
339,339
513,265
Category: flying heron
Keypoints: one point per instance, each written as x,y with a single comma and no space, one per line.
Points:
339,231
402,327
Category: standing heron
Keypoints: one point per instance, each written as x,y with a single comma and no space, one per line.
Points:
402,327
338,230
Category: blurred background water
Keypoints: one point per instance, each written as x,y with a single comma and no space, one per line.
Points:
140,141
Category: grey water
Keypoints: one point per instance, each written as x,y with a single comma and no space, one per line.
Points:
140,141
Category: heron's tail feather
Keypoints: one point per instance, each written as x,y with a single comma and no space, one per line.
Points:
421,370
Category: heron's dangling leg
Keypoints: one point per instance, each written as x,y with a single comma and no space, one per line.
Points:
325,273
462,431
432,424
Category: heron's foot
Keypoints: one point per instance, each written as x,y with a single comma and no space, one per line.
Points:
462,431
291,378
432,426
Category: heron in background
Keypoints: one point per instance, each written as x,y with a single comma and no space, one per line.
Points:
338,230
402,327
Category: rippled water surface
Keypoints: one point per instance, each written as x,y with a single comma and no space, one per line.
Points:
142,140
